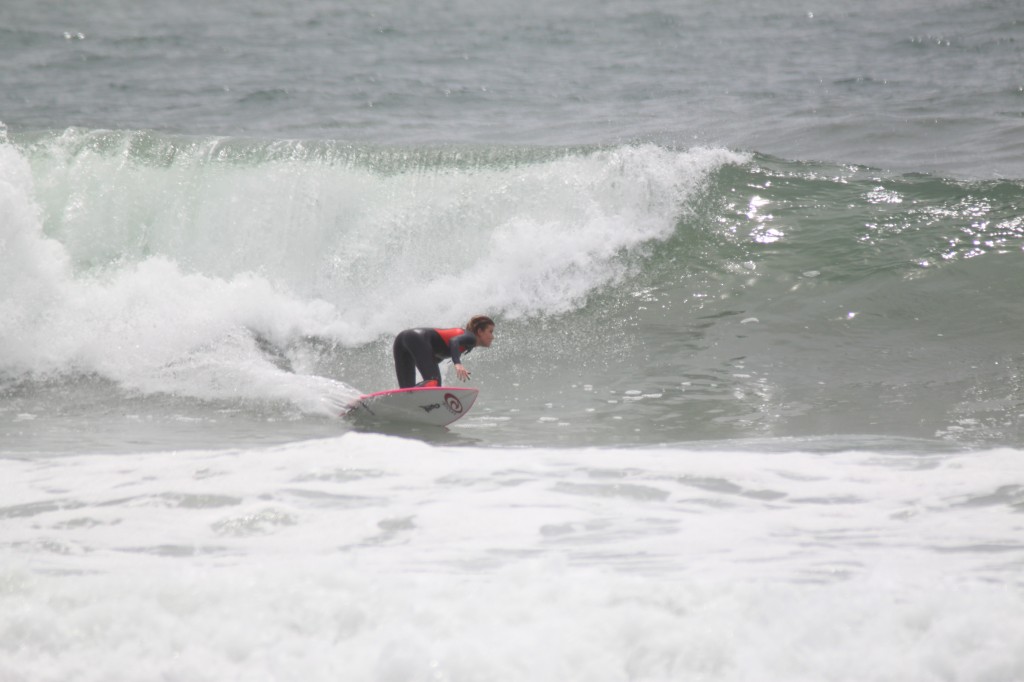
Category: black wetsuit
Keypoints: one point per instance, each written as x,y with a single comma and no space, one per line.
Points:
422,349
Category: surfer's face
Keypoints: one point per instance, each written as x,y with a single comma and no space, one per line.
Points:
485,336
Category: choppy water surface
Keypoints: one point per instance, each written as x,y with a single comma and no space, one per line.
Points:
754,409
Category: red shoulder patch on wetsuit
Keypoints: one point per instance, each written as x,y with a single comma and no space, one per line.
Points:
448,334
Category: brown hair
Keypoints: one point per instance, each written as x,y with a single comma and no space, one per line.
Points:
477,323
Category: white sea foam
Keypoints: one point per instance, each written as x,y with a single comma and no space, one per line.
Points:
383,248
160,272
374,558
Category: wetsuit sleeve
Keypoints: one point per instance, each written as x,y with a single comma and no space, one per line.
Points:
466,341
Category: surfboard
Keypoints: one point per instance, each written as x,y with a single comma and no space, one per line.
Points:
433,406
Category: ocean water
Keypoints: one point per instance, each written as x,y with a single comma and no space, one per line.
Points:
754,410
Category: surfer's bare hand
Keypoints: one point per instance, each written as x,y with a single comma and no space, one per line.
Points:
461,373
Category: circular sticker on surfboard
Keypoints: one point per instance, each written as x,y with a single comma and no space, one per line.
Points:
453,403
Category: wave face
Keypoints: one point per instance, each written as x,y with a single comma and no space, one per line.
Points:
644,293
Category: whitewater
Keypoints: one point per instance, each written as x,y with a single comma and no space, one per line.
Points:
754,409
355,558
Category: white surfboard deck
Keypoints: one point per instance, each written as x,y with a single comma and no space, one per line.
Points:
433,406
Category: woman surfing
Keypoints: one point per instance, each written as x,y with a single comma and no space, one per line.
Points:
423,348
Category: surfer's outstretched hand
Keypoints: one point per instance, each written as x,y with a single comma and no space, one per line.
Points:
461,372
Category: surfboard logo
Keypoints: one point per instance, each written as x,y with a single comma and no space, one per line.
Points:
429,408
453,403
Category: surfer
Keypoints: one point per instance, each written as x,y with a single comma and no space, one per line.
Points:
423,348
